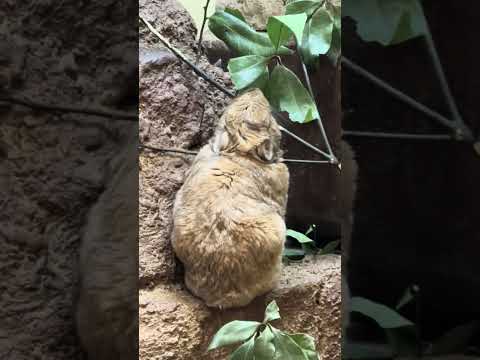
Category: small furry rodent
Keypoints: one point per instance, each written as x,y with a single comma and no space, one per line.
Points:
107,304
229,227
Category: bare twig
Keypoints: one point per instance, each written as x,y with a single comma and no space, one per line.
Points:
97,111
200,38
400,95
307,144
332,157
463,130
182,57
293,161
374,134
188,152
172,150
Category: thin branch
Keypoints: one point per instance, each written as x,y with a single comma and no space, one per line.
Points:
182,57
307,144
320,123
399,95
199,47
437,65
97,111
172,150
293,161
188,152
384,135
306,77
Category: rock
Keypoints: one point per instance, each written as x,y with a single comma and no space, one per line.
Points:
175,325
171,19
160,178
256,12
177,109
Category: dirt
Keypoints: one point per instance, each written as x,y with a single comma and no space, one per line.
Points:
51,164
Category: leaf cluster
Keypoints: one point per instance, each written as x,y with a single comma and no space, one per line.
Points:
314,25
402,334
262,341
307,245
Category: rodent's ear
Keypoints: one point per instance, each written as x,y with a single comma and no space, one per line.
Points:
220,141
266,151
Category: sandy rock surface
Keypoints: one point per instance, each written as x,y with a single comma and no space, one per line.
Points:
175,325
177,109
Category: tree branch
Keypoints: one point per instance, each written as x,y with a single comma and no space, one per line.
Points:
400,95
199,47
384,135
463,130
97,111
188,152
331,157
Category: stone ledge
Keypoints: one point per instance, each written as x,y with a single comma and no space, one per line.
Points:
176,325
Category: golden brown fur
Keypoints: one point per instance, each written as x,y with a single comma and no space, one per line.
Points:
229,227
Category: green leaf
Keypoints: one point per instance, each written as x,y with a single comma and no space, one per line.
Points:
336,45
307,344
387,21
296,254
286,347
246,70
286,93
330,247
381,314
281,28
262,81
272,312
245,351
236,13
302,6
233,332
317,36
301,238
241,37
264,348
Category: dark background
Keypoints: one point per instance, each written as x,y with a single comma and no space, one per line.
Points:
416,215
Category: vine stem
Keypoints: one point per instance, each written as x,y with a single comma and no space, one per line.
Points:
403,97
437,65
199,72
384,135
332,157
97,111
189,152
199,47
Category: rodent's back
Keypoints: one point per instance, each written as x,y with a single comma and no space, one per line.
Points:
229,227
